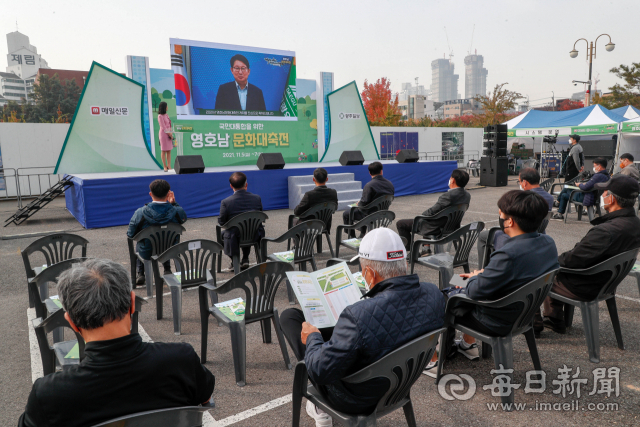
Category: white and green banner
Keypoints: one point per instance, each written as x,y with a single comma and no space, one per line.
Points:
107,131
348,125
633,127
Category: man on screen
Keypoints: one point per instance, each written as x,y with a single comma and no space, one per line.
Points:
239,94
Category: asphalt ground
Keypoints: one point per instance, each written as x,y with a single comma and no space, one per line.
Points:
267,378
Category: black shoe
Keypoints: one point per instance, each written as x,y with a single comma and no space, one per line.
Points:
140,280
244,264
556,204
537,330
555,325
231,266
558,217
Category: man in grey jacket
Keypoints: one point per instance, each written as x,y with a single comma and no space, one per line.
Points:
628,167
574,164
456,195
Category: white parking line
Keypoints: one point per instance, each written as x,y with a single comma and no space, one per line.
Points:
255,411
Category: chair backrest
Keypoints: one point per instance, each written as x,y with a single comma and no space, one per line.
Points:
619,266
402,367
454,215
547,183
260,284
545,222
322,211
49,274
47,353
334,261
162,237
382,203
55,248
247,223
376,220
194,258
304,236
186,416
463,240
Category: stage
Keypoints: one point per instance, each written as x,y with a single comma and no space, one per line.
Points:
109,199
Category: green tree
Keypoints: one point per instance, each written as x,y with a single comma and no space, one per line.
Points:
167,94
497,104
307,113
629,92
155,100
48,94
301,101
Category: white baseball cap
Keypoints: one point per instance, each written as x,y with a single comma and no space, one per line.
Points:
381,244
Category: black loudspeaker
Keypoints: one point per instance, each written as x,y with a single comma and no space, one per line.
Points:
407,156
270,161
495,141
349,158
188,164
493,171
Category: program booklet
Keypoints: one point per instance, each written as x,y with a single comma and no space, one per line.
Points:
233,309
287,256
323,294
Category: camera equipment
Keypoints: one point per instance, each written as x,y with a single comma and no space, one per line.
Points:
550,139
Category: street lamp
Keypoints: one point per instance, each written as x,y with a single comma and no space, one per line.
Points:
591,53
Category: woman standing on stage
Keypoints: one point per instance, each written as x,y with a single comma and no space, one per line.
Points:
165,135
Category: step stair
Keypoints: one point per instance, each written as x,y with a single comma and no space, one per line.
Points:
349,190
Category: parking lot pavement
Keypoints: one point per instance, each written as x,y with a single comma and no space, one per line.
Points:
264,401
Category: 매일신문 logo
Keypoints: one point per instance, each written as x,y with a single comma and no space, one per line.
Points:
95,111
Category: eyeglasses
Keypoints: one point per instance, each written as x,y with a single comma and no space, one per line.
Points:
238,69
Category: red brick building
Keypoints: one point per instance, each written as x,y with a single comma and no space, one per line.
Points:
79,76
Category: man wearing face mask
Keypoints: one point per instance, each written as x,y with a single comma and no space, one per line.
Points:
574,164
614,233
600,175
396,309
456,195
628,168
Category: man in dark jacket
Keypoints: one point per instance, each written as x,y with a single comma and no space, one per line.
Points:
162,210
378,186
614,233
574,164
587,199
241,201
456,195
320,194
396,309
120,374
524,257
239,94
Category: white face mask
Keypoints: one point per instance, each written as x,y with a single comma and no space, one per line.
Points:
521,189
594,170
366,284
602,203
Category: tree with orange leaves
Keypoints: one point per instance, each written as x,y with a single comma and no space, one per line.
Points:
569,104
380,110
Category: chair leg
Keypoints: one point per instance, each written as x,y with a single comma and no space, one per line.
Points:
319,244
159,298
533,349
412,263
58,335
503,355
280,335
638,281
236,264
329,243
615,321
442,352
591,322
313,264
239,349
148,277
219,269
487,350
204,323
296,402
591,213
266,331
568,314
409,414
176,305
290,294
579,211
466,268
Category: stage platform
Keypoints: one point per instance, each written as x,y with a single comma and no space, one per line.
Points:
110,199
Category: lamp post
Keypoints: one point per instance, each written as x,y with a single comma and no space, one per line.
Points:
591,53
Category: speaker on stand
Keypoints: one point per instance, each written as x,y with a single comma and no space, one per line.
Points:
494,165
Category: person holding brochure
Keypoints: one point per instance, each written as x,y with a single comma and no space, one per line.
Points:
396,309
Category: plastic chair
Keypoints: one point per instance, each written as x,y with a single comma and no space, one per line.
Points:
323,212
185,416
591,210
552,190
462,239
162,237
192,260
55,248
618,266
248,224
632,273
453,215
334,261
530,297
56,354
260,284
371,222
382,203
547,183
304,235
402,367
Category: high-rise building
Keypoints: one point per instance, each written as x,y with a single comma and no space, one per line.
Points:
324,87
23,59
444,83
475,76
409,90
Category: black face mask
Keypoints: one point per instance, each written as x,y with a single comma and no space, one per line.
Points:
501,223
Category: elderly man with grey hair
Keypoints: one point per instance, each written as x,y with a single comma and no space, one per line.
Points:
120,374
396,309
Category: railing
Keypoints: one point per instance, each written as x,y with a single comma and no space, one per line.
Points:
462,159
24,183
9,188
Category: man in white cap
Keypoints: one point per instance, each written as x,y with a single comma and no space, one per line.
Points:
396,309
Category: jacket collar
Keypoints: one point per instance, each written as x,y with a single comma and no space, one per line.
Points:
615,214
113,351
408,281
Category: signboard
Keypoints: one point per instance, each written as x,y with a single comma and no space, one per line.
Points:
630,126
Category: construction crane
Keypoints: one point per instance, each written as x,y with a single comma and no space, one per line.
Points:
448,46
471,45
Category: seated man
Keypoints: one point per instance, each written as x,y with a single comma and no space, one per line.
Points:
162,210
378,186
529,180
614,233
406,307
628,167
524,257
241,201
587,199
120,374
318,195
456,195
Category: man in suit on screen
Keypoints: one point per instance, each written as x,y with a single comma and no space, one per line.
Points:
239,94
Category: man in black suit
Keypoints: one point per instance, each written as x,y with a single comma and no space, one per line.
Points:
241,201
378,186
320,194
239,94
456,195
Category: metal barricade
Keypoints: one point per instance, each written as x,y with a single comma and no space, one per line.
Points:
9,188
34,181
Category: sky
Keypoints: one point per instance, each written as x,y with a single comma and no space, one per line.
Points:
524,44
